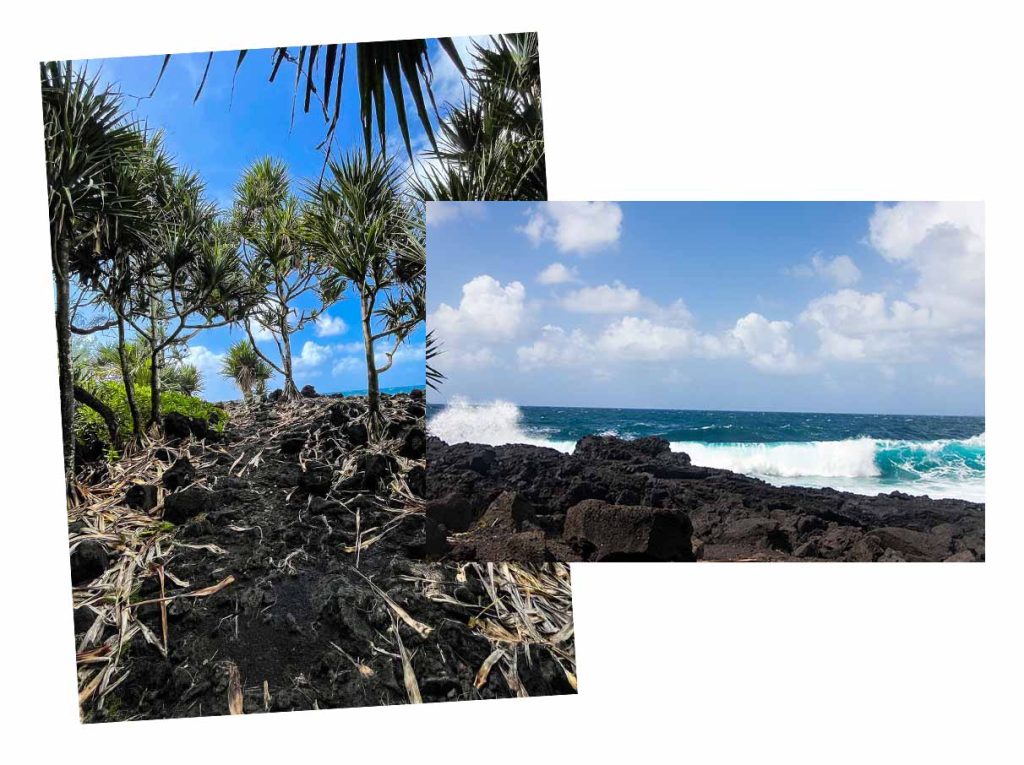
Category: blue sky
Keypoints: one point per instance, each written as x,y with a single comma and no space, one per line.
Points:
834,307
221,134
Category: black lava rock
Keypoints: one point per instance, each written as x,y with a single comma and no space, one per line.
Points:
88,560
188,503
141,496
179,475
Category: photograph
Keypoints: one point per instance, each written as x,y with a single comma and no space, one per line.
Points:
706,381
238,263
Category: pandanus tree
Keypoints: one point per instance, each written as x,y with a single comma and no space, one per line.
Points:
361,225
88,138
491,146
185,275
275,261
247,368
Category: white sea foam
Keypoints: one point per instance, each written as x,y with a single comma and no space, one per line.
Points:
494,423
854,458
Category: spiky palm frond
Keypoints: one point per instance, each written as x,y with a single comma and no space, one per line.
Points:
356,218
382,68
89,138
492,145
434,376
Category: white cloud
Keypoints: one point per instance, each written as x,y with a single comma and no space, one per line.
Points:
312,356
557,273
205,360
348,364
840,270
615,298
440,213
470,358
556,347
634,338
407,352
767,344
487,310
260,333
944,243
579,227
942,246
329,326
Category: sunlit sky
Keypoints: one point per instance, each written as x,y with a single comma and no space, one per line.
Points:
829,307
221,133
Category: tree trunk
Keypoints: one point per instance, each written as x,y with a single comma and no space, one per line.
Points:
104,411
65,375
372,383
129,379
154,389
290,391
155,354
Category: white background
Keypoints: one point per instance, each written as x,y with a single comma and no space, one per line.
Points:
643,100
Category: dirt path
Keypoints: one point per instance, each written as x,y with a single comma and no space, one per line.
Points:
284,572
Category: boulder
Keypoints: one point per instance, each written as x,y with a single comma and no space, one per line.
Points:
292,443
610,448
357,434
179,475
604,532
316,478
186,504
141,496
178,425
452,511
509,511
338,414
414,445
88,560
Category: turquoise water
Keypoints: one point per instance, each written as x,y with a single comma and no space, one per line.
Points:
392,390
864,453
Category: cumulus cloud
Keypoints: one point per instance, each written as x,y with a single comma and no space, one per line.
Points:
487,310
640,339
840,270
942,247
557,273
577,227
329,326
615,298
556,348
944,244
312,356
767,344
205,360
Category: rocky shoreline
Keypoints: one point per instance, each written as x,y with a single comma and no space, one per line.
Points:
279,566
620,500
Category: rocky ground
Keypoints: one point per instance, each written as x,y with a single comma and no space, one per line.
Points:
283,566
636,500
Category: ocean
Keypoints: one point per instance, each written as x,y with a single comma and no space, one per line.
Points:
862,453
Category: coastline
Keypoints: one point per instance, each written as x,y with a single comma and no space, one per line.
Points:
617,499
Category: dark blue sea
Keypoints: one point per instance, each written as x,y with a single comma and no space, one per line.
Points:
864,453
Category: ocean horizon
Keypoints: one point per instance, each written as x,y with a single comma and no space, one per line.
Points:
939,456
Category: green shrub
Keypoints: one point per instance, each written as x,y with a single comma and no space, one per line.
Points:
89,424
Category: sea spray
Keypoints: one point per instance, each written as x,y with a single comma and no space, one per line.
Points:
494,423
